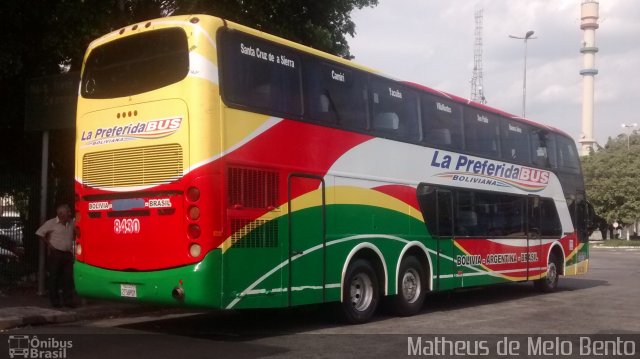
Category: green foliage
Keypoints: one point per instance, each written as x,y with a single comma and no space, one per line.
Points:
38,36
45,37
612,179
319,24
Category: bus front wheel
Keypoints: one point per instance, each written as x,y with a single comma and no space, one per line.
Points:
360,293
550,282
412,288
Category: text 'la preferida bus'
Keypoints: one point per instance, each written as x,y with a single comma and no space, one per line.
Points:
222,167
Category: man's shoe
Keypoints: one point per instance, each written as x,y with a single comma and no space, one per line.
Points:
56,305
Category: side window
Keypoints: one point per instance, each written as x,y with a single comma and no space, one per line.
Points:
500,215
445,213
567,155
394,110
481,133
534,216
260,75
488,214
512,211
514,139
465,216
427,199
543,148
436,206
550,222
335,95
441,122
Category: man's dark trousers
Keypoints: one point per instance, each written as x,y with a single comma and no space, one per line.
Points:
60,266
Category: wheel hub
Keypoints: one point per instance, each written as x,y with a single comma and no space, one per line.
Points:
361,292
411,286
552,273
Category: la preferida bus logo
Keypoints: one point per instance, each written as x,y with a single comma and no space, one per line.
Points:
153,129
467,170
32,347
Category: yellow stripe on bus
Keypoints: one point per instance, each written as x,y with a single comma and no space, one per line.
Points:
345,195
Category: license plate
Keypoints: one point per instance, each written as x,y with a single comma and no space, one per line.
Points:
128,290
127,204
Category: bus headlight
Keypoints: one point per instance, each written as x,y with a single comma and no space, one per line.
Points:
78,249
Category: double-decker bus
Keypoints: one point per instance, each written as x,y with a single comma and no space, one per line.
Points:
221,167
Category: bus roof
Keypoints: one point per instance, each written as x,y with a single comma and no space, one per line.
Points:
485,108
338,59
310,50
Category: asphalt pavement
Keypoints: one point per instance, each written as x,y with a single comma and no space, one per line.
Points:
598,305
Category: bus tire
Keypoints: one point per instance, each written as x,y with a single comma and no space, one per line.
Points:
412,288
360,293
549,283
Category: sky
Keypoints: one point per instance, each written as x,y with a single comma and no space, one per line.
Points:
432,41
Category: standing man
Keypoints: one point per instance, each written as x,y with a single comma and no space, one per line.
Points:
57,233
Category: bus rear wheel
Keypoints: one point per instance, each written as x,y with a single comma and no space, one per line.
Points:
550,282
360,293
412,288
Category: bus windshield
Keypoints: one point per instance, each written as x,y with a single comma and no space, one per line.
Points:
136,64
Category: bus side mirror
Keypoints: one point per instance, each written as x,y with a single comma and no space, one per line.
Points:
592,218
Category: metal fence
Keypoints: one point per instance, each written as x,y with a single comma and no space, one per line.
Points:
19,201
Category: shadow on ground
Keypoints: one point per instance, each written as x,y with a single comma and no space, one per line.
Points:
246,325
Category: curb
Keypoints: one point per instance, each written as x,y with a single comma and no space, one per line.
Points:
613,247
53,316
34,316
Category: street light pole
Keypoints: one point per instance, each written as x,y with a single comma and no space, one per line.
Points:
629,127
527,36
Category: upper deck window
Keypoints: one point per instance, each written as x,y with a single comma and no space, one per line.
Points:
136,64
441,122
567,155
543,148
395,110
336,95
481,133
260,75
514,139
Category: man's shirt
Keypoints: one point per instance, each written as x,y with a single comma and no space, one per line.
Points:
60,234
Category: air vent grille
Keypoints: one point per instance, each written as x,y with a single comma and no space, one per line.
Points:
129,167
253,188
254,234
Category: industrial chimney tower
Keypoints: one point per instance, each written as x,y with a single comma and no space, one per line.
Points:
589,24
477,91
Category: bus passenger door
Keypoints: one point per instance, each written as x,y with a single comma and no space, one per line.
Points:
436,205
534,256
448,276
307,258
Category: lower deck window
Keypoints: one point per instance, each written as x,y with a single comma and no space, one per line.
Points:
485,214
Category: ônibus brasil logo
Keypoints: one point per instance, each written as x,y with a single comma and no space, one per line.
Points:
488,172
134,131
32,347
